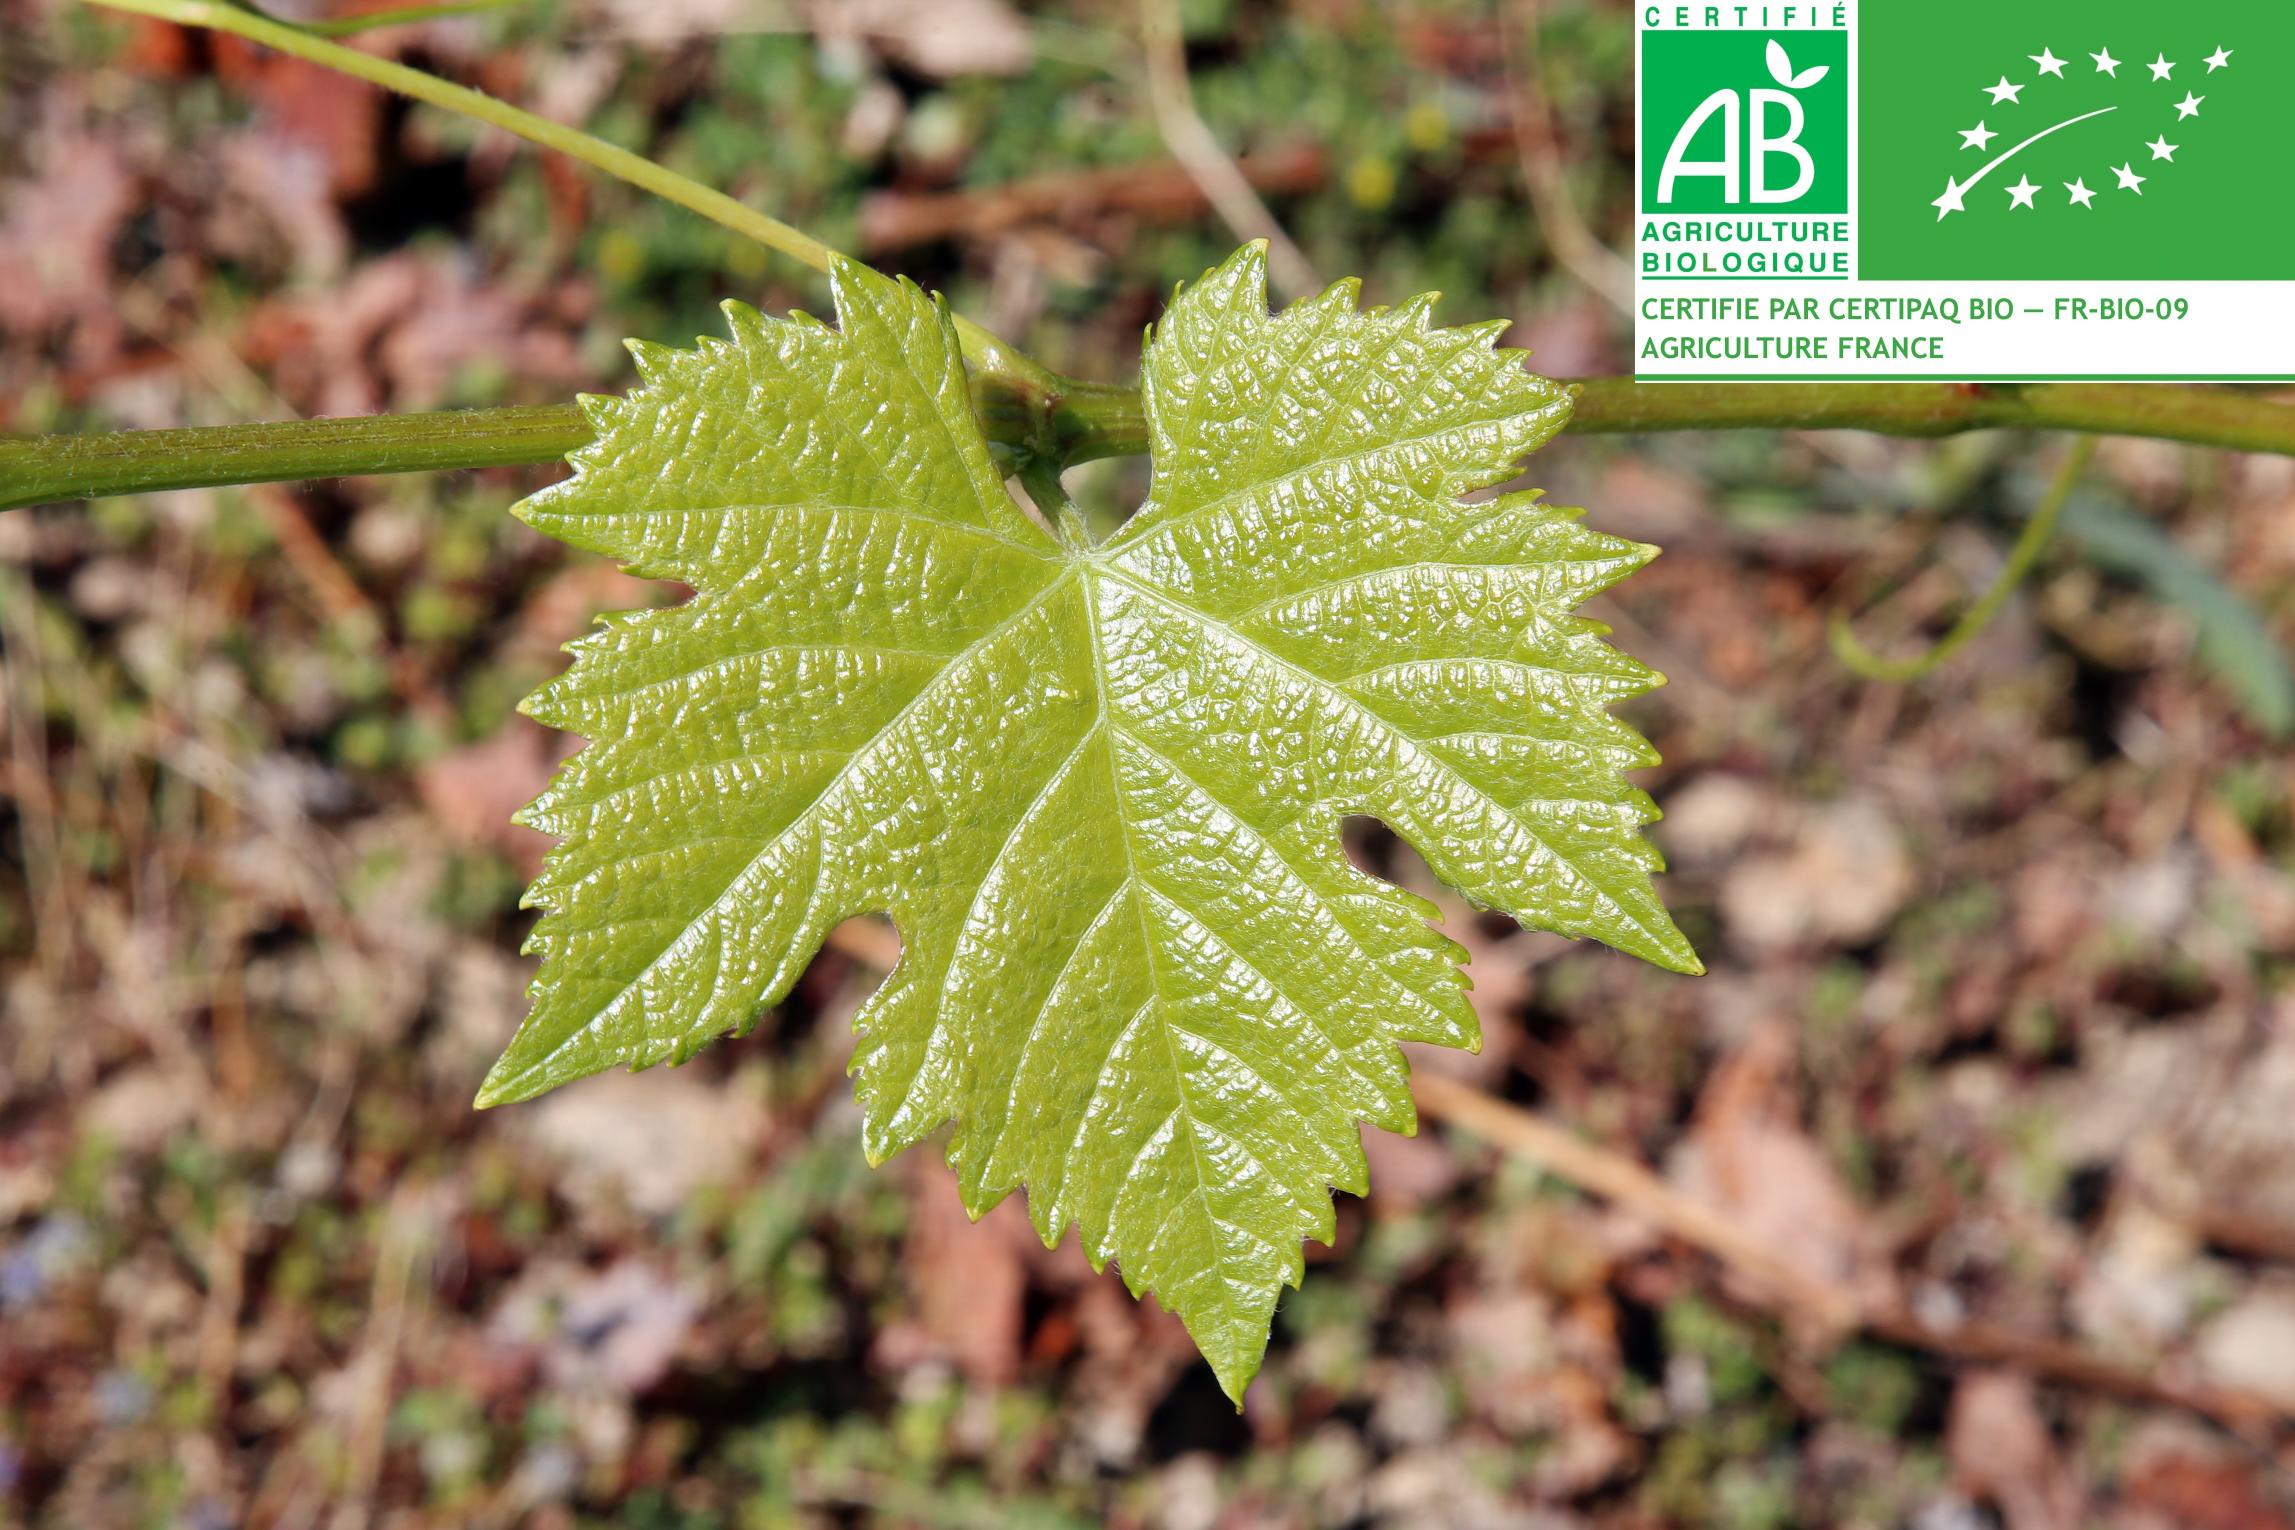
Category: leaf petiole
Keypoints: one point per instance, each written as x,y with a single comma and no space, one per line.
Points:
1040,476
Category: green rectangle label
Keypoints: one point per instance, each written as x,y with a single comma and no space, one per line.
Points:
1965,189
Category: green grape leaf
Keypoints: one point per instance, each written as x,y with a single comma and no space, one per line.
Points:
1098,789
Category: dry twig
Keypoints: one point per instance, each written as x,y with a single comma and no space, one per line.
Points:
1189,138
1576,246
1167,191
1635,1189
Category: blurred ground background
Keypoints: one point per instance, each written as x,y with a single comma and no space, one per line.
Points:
2000,1019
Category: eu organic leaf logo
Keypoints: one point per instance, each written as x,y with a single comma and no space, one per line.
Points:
2069,93
1099,789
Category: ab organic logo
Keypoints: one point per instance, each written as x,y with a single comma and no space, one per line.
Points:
1745,120
1761,143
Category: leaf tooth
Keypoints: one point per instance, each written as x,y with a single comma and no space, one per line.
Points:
1521,356
547,704
1483,335
542,820
1531,501
603,410
1417,310
861,295
657,364
605,413
1238,276
1337,299
745,324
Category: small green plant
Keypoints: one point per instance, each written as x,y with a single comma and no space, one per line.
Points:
1097,785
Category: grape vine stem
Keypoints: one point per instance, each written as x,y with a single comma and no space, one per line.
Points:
1074,422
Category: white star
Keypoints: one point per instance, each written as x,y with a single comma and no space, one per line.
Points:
2129,180
2004,92
2160,67
2162,149
2049,63
1977,137
1950,202
2219,59
2189,105
2106,64
2020,194
2081,195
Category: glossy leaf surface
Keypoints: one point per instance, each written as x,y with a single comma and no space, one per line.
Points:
1098,789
